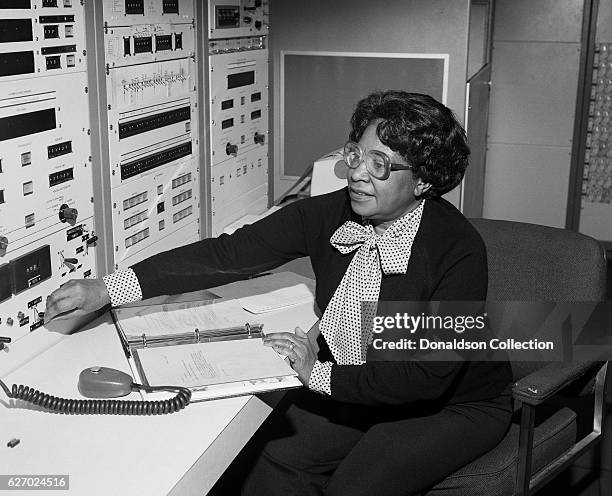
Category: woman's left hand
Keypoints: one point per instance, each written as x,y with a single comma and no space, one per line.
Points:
301,351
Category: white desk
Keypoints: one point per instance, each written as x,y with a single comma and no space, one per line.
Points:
179,453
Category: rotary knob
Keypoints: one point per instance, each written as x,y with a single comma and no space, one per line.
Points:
259,138
231,149
67,214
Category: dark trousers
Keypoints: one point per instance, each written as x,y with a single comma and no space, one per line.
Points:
337,449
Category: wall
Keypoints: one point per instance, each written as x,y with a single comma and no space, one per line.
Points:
413,26
316,85
536,52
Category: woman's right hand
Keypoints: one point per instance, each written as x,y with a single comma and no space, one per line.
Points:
76,298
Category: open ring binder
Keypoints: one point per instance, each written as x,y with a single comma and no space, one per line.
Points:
246,331
179,343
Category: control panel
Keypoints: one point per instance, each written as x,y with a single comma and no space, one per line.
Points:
239,112
154,207
597,177
237,18
130,12
238,129
152,126
148,43
46,211
40,37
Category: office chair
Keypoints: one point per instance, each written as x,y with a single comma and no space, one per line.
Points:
528,262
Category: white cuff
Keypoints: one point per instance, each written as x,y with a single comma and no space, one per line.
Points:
320,377
123,287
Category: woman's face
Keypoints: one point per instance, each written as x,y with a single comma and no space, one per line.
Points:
382,201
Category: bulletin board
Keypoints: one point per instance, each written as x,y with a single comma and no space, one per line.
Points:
319,91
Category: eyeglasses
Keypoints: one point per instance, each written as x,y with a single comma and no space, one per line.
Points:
378,164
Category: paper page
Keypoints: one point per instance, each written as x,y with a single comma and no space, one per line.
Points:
274,300
287,319
183,317
271,292
263,284
205,364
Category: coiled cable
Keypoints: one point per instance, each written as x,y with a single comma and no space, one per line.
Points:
103,406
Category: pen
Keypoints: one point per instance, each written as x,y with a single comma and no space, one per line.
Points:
4,339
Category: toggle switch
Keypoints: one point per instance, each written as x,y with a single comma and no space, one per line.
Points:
72,261
91,241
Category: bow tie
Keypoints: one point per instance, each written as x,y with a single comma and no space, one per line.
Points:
386,253
393,248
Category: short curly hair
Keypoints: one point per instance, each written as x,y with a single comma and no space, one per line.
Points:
422,130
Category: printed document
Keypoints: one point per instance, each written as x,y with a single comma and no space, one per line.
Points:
205,364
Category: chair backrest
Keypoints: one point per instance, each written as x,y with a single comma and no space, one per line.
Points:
529,262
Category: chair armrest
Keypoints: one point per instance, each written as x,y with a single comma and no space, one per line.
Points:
543,383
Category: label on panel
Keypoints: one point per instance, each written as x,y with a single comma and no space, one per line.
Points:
142,85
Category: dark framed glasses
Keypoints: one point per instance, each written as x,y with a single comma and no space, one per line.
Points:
378,164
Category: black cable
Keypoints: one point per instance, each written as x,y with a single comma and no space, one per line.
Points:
103,407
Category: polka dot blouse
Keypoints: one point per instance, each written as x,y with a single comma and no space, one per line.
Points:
386,253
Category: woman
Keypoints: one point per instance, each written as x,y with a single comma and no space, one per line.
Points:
361,427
